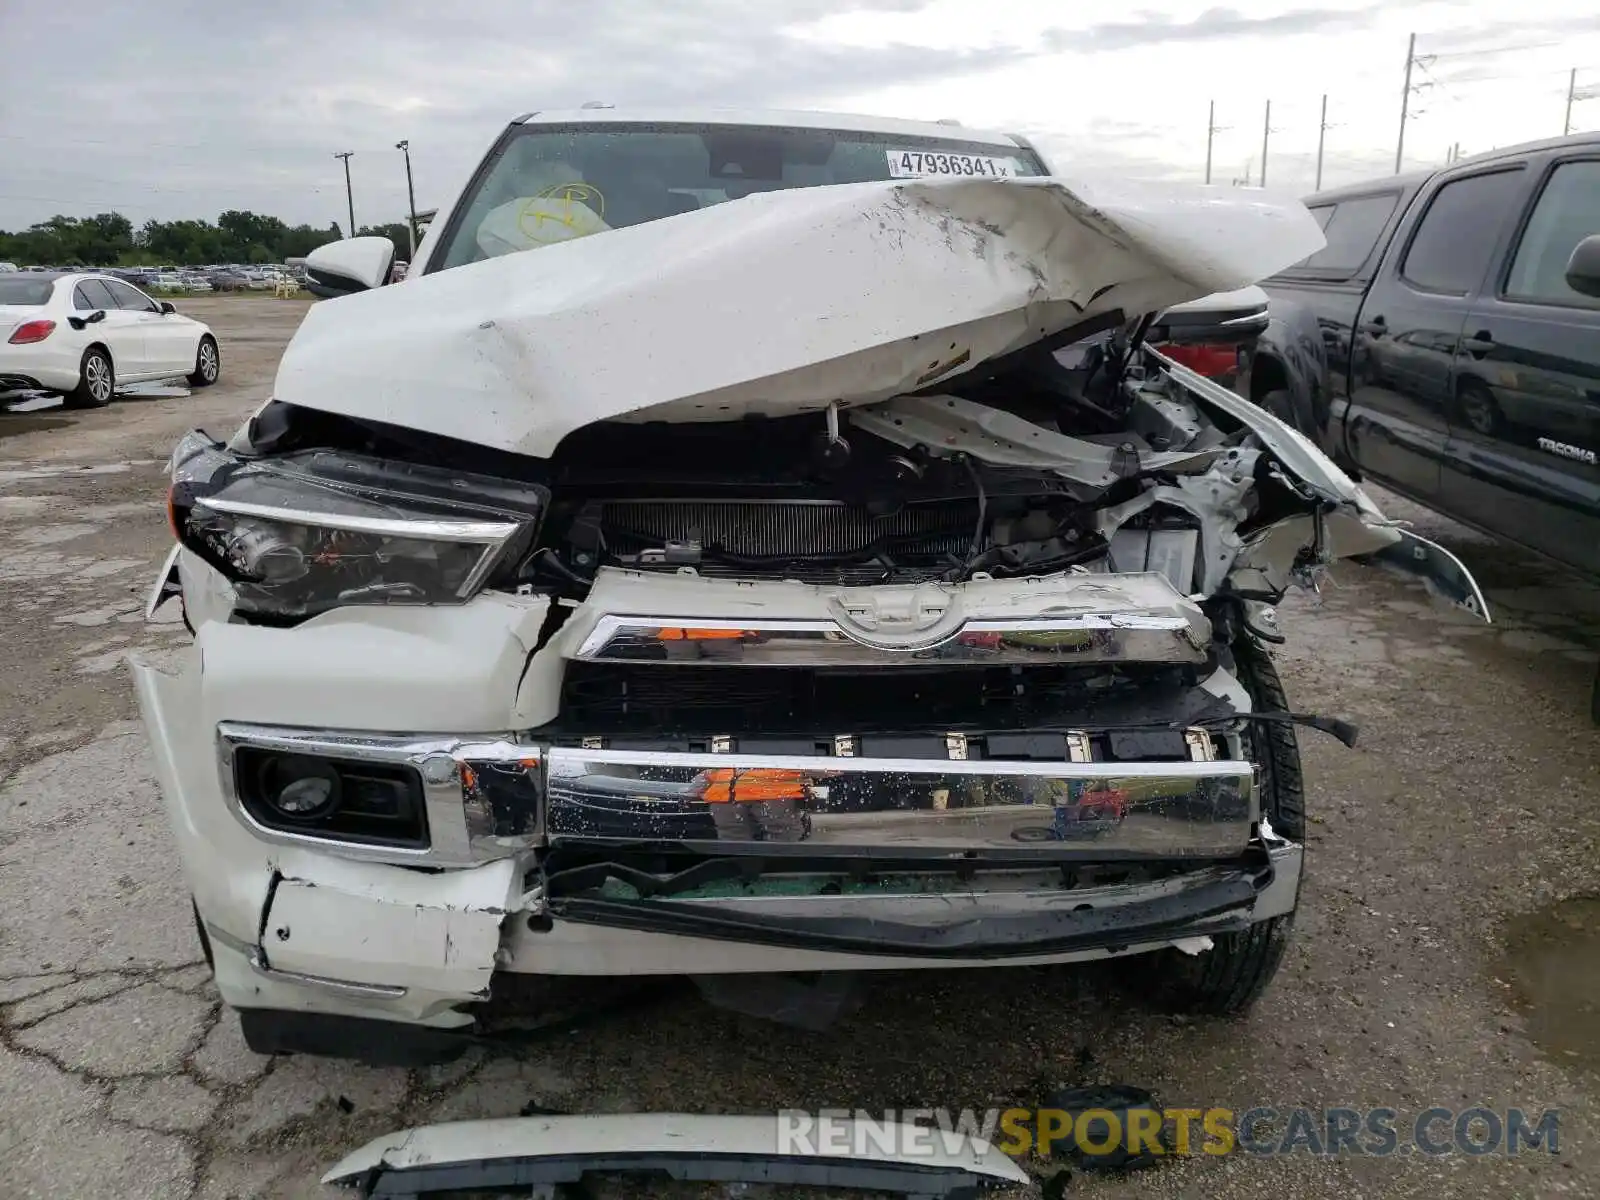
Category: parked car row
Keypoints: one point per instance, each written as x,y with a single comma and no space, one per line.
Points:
215,277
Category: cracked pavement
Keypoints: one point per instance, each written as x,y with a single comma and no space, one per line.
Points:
1464,818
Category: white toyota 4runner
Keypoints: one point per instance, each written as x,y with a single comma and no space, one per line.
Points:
747,546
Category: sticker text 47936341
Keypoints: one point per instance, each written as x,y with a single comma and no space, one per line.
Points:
913,164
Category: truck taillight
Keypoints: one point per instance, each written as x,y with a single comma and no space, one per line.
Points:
31,331
1210,361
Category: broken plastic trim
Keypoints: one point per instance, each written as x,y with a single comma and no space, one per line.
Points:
530,1152
1019,935
1344,731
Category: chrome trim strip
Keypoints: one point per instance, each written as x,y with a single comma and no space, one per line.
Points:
460,819
789,642
423,529
1162,809
259,964
561,758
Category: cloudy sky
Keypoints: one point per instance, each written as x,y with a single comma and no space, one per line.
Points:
183,108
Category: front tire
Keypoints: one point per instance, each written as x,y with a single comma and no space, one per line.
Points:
207,363
1230,977
97,380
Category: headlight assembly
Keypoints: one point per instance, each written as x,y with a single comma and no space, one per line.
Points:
299,534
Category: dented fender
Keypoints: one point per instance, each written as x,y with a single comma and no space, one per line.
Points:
295,927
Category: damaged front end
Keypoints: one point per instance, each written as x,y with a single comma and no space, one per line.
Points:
829,653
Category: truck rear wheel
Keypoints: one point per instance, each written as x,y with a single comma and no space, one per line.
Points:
1227,979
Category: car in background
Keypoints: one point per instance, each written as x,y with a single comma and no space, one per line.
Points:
228,280
84,334
7,268
1446,342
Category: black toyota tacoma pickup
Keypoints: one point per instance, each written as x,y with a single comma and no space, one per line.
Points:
1446,342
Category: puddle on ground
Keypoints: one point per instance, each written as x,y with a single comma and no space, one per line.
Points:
1552,965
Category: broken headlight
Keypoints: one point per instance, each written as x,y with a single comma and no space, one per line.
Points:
299,534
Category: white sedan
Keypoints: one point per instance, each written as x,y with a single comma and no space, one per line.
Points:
85,335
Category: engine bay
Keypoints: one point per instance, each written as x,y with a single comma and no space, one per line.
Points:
1093,458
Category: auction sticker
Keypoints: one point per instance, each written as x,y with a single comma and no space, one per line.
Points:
915,164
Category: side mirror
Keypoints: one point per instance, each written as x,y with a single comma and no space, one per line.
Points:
1583,268
167,306
351,265
93,318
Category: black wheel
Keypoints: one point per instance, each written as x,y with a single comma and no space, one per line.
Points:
1227,979
207,363
1280,402
96,380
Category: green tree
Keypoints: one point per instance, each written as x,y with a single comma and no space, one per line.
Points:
109,239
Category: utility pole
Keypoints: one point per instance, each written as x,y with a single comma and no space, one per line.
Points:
1322,133
1575,94
1405,98
411,198
1210,132
1212,128
349,196
1266,132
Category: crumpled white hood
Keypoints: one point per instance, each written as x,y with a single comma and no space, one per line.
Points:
777,303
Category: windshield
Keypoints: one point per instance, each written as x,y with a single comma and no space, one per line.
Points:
551,183
19,288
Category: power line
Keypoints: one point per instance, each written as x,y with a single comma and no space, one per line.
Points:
1494,50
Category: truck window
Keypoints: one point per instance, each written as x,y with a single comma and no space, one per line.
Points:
1568,210
1352,228
1450,249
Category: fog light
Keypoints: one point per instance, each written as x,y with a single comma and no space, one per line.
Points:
334,798
300,789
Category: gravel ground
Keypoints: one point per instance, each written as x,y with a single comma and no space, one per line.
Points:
1447,952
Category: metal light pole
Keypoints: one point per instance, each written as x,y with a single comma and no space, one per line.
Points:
1572,87
411,197
349,196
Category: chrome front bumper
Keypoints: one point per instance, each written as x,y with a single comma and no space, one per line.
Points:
492,797
843,806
